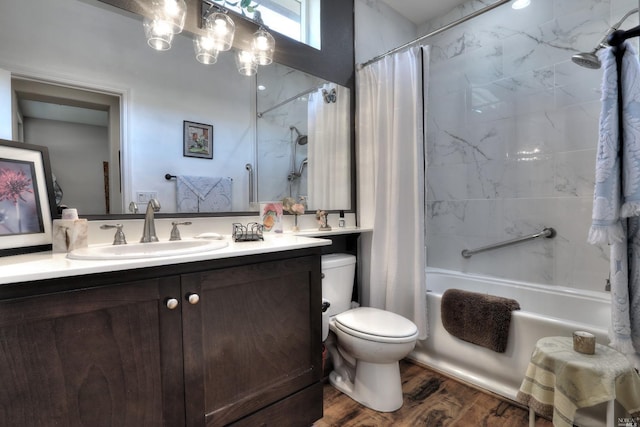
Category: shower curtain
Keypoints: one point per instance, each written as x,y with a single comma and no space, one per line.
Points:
391,183
328,126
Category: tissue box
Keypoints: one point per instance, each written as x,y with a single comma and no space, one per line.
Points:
69,234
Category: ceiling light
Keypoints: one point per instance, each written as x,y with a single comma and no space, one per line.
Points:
520,4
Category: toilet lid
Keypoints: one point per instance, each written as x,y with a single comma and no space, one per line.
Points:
376,323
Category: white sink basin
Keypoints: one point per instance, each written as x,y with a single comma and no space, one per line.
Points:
146,250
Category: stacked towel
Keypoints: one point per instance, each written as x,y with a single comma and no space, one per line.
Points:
203,194
478,318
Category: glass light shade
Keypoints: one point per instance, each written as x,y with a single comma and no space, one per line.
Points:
246,62
158,33
221,30
173,12
205,51
263,46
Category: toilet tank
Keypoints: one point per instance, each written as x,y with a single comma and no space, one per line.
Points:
338,272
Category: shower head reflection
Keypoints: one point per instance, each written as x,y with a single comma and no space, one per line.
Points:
301,139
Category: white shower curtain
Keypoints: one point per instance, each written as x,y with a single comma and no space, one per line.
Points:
391,183
329,162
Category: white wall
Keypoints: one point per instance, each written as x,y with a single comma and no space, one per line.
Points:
77,152
74,41
378,29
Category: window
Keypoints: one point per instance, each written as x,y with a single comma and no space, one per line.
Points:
296,19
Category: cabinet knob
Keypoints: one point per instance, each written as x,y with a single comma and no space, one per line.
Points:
172,303
193,298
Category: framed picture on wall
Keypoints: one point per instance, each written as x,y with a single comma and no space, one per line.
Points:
198,140
26,198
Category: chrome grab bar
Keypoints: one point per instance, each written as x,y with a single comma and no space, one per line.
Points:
249,168
547,232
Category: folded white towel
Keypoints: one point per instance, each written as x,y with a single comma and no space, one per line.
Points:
203,194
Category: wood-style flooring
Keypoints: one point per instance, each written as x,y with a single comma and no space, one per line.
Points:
431,400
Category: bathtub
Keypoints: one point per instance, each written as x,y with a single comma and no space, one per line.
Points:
544,311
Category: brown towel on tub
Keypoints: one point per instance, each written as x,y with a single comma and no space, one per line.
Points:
478,318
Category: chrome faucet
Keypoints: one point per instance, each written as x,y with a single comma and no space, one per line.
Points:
149,229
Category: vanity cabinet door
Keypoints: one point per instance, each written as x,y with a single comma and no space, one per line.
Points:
92,357
252,340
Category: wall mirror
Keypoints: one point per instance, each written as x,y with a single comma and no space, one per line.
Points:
95,48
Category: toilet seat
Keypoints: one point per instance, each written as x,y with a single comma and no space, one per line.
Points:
376,325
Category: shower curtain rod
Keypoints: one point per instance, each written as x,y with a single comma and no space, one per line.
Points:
438,31
286,101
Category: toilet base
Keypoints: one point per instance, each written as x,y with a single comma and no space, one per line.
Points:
377,385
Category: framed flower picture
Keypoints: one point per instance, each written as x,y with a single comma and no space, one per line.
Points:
26,198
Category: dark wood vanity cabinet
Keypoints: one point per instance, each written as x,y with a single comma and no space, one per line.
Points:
225,342
89,357
264,347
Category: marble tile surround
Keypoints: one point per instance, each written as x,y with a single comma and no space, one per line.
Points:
512,129
512,135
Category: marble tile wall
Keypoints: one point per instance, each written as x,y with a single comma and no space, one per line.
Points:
512,129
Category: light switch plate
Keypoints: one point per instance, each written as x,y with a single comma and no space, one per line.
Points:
144,196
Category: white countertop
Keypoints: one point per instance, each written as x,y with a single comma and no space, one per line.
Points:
335,231
48,265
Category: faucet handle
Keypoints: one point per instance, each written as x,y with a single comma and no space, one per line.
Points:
119,238
175,233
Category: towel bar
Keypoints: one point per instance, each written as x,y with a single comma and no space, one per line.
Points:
169,177
547,232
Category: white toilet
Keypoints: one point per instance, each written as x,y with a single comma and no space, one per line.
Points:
366,343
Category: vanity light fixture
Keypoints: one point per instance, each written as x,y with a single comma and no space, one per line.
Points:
220,31
167,19
220,28
246,62
206,53
263,46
